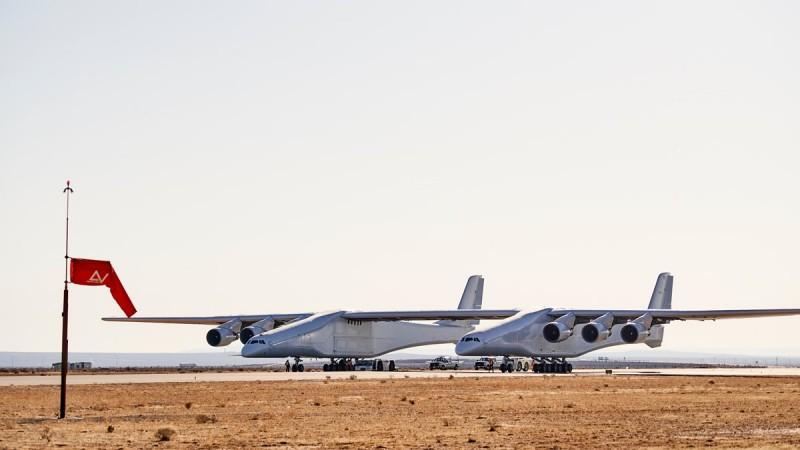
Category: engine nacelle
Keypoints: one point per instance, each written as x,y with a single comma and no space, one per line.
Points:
559,329
224,334
255,329
595,331
634,332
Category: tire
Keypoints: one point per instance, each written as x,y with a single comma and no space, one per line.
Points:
527,367
569,368
300,368
380,365
519,366
502,367
392,367
324,367
294,367
433,366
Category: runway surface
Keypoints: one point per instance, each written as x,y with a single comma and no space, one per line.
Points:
36,380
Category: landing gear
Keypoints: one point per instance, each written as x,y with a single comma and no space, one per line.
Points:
340,365
298,365
350,364
551,365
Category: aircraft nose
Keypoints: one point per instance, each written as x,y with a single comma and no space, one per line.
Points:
250,350
469,346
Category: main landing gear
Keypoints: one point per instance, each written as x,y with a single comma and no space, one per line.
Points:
340,365
551,365
349,364
298,365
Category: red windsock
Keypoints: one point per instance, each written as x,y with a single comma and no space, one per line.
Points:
90,272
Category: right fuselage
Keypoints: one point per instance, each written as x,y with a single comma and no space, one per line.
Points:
522,335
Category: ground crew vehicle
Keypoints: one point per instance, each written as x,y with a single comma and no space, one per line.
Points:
443,363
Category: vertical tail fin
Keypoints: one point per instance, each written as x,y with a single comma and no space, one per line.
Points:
472,298
662,292
661,299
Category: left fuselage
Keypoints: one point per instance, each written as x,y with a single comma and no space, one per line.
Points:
329,335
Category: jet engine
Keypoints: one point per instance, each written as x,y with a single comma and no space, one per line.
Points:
559,329
637,331
598,329
255,329
224,334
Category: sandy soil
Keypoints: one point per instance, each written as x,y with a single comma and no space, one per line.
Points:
514,412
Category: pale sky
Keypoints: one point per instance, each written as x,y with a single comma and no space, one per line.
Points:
258,157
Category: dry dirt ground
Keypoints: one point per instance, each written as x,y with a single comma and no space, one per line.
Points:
513,412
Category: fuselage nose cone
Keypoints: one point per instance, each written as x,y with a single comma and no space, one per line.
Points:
249,350
468,348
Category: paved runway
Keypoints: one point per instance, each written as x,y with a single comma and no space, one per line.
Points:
32,380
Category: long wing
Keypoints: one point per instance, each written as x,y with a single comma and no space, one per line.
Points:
454,314
668,315
211,320
449,314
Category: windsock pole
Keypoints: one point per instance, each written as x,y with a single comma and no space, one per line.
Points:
64,314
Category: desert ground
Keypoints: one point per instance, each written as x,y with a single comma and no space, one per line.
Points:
559,411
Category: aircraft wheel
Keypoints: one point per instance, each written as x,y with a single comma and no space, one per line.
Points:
569,368
432,367
527,367
300,368
294,367
324,367
392,367
503,367
380,365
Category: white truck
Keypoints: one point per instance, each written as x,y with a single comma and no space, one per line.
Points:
485,363
443,363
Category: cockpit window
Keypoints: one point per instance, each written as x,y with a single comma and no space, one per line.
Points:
470,339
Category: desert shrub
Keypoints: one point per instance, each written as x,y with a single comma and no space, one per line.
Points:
202,418
165,434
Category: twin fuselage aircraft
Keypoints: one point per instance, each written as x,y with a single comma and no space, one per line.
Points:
549,335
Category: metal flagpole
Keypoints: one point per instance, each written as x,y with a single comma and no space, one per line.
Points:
64,313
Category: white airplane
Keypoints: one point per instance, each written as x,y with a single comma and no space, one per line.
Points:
549,336
341,335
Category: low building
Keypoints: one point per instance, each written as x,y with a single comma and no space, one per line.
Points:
74,365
